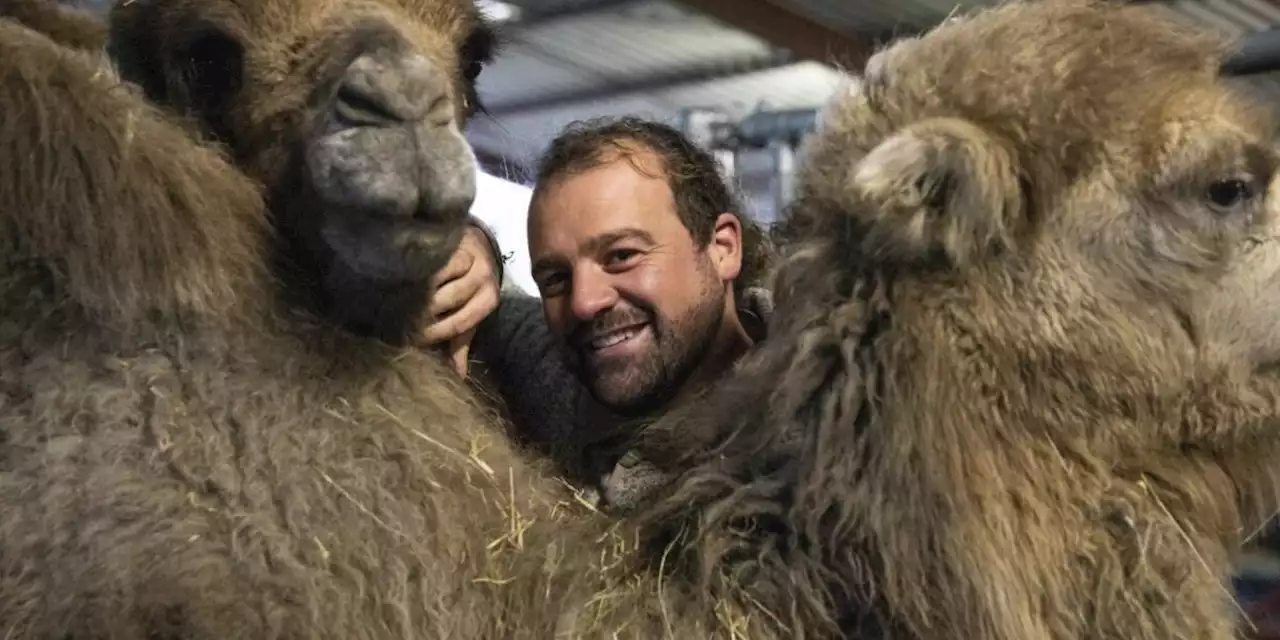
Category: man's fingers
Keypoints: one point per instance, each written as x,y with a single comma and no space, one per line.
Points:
443,329
459,265
464,320
460,352
454,295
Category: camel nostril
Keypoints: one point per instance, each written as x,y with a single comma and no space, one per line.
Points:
387,87
440,113
357,109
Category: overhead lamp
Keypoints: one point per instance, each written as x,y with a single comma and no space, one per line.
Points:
497,11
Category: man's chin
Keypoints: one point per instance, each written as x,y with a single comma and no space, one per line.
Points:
624,400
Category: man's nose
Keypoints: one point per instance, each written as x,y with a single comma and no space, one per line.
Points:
592,293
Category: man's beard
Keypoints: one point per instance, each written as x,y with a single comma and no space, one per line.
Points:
641,385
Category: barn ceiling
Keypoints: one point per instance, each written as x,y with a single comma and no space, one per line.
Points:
571,59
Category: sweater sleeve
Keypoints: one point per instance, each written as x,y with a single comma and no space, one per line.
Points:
543,398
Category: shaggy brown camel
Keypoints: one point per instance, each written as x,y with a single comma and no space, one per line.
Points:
191,450
1019,385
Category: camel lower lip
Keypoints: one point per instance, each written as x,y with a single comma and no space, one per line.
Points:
414,226
405,219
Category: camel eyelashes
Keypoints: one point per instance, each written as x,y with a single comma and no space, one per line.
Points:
933,190
1227,195
478,50
476,53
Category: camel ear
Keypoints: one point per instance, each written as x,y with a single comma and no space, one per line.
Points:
942,189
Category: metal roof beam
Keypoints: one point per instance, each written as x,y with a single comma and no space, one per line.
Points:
656,83
532,17
1257,53
784,28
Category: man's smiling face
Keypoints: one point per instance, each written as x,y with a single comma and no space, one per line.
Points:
634,297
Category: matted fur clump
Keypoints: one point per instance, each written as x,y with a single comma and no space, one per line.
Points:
70,26
1020,382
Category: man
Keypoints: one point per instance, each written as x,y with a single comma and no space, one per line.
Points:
641,257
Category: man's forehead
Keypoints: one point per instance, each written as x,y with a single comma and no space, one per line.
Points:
602,200
640,170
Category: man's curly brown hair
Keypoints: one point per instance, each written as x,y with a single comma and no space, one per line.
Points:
700,190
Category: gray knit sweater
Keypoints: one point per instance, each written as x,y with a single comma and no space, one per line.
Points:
550,409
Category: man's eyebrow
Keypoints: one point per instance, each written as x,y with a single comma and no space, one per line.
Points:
594,245
605,239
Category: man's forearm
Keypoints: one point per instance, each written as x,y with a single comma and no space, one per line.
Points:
522,359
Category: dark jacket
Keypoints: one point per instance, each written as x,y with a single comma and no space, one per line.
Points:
549,408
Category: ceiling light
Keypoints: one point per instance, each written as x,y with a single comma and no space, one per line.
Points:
497,11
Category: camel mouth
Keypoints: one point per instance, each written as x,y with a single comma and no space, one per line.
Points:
390,248
388,204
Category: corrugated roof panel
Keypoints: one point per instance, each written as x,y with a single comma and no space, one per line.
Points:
878,16
648,38
521,138
801,85
603,48
553,5
1232,16
805,84
521,74
1267,10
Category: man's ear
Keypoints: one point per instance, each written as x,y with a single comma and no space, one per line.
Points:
725,247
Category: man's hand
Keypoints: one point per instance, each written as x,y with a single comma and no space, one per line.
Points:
466,292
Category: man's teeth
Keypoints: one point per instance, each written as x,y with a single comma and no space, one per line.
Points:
614,338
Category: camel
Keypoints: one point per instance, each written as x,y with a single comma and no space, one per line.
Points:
193,448
1020,382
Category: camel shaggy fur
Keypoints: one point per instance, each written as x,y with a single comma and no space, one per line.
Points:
191,449
1021,382
70,26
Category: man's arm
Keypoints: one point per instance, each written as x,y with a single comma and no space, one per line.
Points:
521,359
543,398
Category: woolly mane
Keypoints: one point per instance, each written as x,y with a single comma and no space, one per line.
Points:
999,399
126,210
69,26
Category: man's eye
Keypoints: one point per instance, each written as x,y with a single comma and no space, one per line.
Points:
622,255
